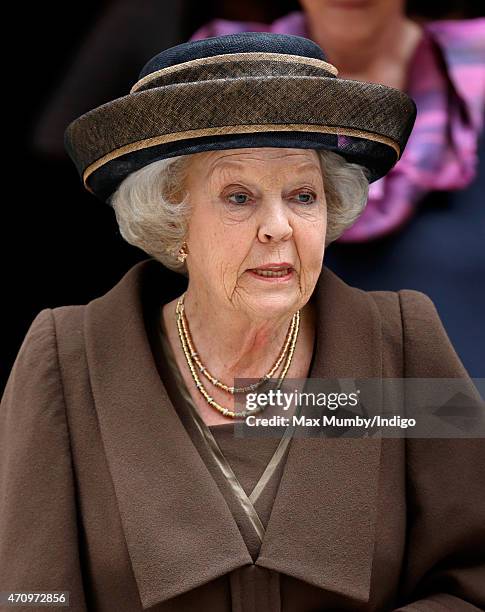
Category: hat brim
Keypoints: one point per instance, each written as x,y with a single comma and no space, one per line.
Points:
367,123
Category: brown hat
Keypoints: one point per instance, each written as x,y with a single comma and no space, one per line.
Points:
253,89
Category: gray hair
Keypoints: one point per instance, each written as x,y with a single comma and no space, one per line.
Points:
153,209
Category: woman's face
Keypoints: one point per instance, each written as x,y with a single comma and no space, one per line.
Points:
253,207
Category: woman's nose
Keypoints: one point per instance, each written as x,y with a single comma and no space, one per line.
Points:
274,222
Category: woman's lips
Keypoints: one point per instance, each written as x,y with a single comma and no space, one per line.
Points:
272,276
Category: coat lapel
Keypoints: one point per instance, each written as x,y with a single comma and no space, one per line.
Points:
323,522
178,528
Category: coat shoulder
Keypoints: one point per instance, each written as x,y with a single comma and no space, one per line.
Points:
53,335
389,312
406,308
402,329
411,319
69,318
68,324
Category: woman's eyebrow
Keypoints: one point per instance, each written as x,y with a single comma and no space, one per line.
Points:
241,167
226,164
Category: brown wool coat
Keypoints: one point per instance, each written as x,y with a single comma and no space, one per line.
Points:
103,494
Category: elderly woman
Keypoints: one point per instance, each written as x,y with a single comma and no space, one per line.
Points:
233,160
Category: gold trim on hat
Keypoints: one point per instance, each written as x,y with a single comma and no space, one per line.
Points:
234,57
235,129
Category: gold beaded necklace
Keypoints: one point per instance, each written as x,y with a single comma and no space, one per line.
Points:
192,357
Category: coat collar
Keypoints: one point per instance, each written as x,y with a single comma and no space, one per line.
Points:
164,489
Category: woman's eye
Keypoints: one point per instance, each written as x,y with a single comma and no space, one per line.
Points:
309,197
239,198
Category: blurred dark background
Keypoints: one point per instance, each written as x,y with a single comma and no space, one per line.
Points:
61,245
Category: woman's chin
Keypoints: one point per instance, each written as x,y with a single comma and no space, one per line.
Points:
273,296
272,306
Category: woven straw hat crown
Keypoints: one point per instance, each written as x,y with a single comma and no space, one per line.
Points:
253,89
